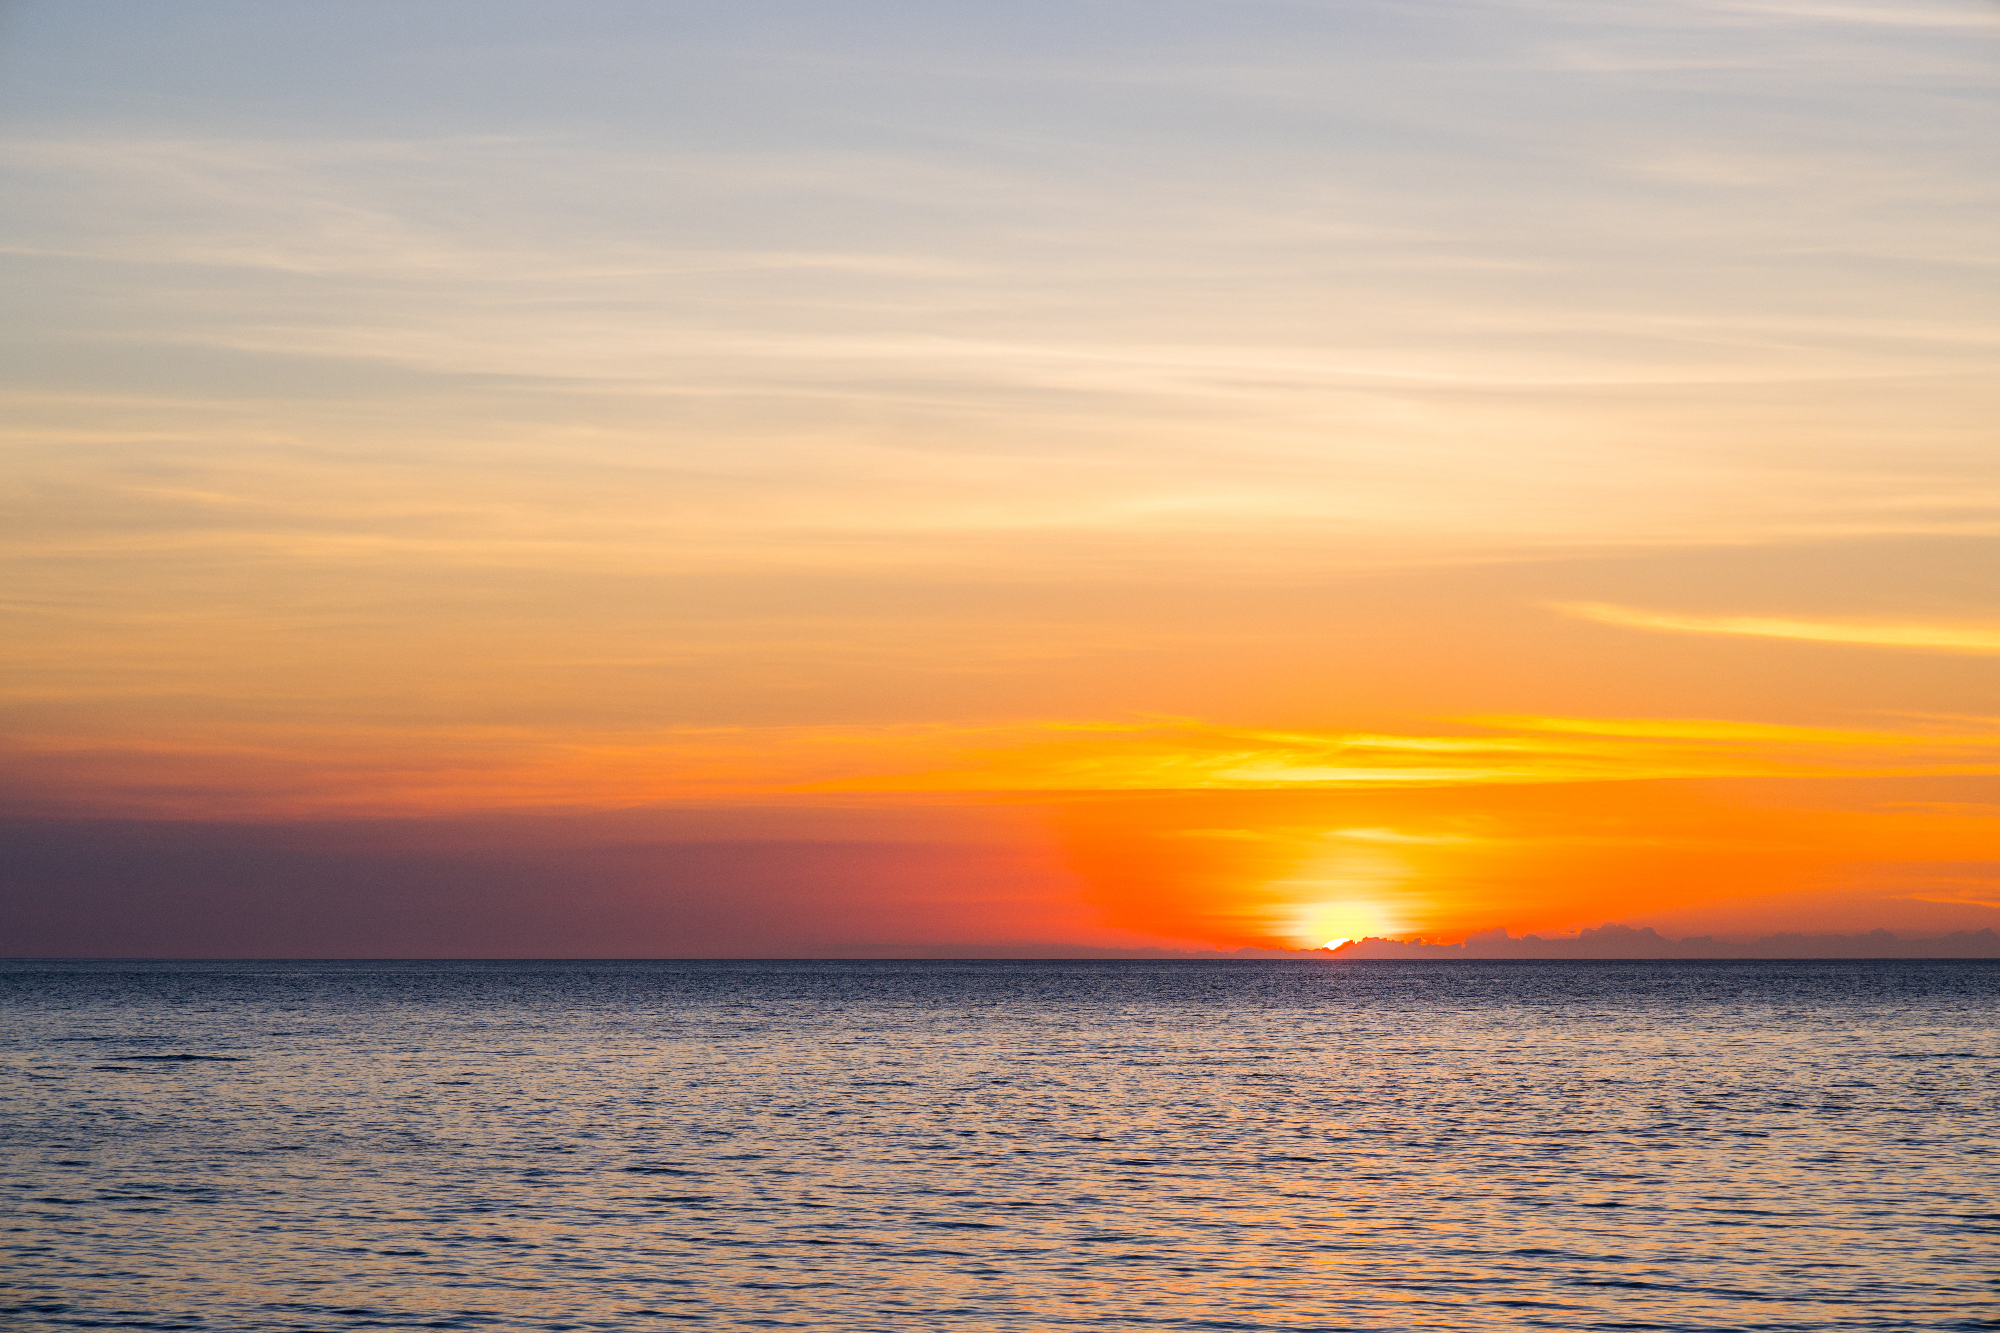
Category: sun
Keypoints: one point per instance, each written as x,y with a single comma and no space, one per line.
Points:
1343,894
1339,922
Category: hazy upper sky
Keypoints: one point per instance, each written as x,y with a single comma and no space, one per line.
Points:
1179,472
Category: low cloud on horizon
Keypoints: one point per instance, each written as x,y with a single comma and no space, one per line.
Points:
709,884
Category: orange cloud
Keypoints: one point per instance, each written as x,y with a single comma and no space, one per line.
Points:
1184,754
302,771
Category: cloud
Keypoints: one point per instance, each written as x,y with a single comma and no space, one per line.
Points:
1186,754
1946,638
1617,941
258,770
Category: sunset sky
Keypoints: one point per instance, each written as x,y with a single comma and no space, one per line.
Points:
849,478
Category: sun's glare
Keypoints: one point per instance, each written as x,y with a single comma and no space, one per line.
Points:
1343,894
1337,923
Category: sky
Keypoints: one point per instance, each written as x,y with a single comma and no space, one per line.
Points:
784,479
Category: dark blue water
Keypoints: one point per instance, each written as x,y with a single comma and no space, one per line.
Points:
993,1145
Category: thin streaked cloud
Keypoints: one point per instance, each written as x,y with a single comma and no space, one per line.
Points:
1944,638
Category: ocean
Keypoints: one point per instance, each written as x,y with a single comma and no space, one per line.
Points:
1282,1145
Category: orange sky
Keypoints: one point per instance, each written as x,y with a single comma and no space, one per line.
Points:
1258,479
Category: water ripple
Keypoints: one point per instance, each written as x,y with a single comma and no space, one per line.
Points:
1007,1146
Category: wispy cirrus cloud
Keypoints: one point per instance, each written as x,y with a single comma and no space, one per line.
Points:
1933,637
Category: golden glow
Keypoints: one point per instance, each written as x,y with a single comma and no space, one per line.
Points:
1528,857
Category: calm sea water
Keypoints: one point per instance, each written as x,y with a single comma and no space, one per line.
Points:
997,1145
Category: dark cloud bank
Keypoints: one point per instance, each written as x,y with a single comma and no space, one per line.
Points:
1605,942
1630,942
